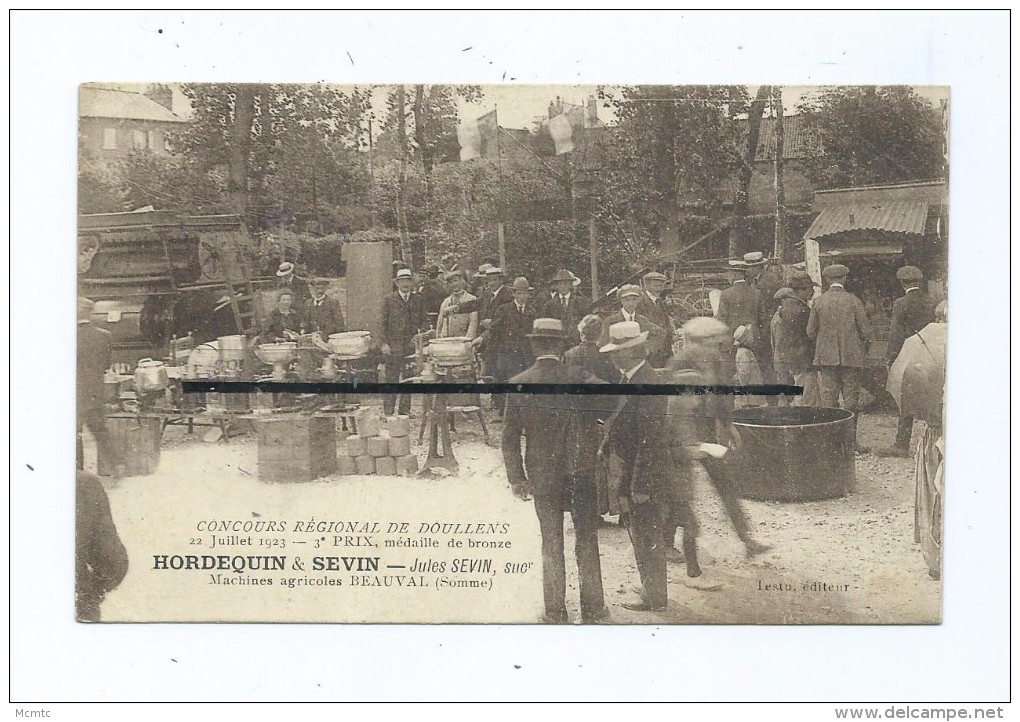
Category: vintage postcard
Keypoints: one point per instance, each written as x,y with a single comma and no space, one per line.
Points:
503,354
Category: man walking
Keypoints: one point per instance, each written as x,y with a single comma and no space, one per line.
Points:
839,326
910,313
403,316
558,469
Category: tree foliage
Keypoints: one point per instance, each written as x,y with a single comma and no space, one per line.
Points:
873,135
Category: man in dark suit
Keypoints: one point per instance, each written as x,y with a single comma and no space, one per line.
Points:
652,307
631,297
101,562
432,293
740,304
507,338
558,469
95,351
910,313
403,316
839,326
567,305
640,436
495,295
794,348
322,312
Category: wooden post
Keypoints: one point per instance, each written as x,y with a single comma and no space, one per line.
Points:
593,251
500,232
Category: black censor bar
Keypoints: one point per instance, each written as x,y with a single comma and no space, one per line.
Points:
325,387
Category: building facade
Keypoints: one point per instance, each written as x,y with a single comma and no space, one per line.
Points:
113,123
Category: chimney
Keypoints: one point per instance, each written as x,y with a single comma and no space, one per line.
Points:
161,94
593,112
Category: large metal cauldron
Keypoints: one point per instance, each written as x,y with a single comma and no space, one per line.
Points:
795,453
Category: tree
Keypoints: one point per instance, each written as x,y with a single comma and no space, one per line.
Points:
671,152
739,230
288,151
873,135
98,188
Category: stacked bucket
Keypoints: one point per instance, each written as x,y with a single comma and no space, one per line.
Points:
380,447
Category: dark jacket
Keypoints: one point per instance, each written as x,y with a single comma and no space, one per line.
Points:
910,313
740,305
101,562
561,432
324,317
433,293
586,356
95,349
489,302
793,346
577,308
660,347
641,437
276,323
401,320
507,338
839,326
657,335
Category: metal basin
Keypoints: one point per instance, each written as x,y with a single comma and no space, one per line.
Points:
797,453
278,353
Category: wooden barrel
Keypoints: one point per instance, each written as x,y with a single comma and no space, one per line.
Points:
137,437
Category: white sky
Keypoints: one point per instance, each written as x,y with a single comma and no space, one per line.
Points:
519,105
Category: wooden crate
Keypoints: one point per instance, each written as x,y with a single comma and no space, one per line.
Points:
296,448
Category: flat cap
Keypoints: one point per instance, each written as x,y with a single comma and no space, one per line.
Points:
836,270
909,273
654,276
702,327
801,281
628,289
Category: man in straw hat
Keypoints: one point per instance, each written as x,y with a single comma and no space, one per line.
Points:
288,280
631,297
839,325
639,434
557,468
910,313
506,339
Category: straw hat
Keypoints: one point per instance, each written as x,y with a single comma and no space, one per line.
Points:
624,334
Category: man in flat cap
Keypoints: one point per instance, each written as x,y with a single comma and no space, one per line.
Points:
432,293
567,305
652,306
740,304
557,467
631,297
910,313
839,326
322,312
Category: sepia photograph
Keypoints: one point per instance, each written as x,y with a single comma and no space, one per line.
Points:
777,254
509,356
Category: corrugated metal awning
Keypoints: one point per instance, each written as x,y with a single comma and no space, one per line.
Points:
890,216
